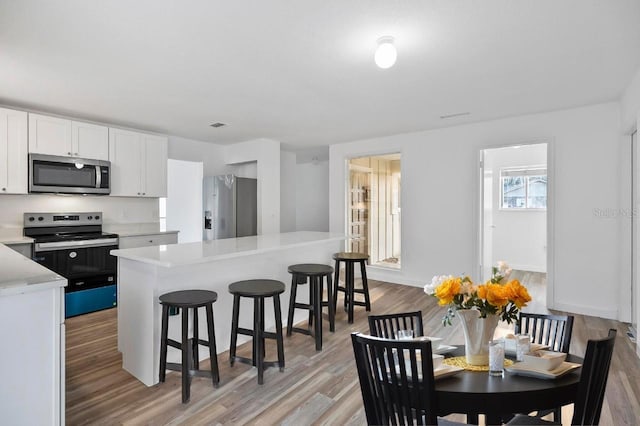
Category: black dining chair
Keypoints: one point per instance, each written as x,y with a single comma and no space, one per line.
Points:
552,330
394,389
593,382
385,326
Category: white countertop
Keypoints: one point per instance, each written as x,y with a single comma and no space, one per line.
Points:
136,229
19,274
206,251
13,236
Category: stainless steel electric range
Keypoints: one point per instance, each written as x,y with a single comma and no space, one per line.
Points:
74,246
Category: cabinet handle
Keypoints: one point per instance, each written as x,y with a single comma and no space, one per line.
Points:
144,193
4,189
68,153
138,193
150,241
75,153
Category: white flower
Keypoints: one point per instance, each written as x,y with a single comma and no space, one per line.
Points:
435,282
503,267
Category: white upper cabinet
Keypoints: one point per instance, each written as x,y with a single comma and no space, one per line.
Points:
49,135
89,141
58,136
155,172
138,164
13,152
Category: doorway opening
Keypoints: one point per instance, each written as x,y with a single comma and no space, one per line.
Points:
373,209
514,216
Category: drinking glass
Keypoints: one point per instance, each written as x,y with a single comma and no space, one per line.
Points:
523,346
404,334
496,358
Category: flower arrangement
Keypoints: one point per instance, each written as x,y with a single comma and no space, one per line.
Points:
498,296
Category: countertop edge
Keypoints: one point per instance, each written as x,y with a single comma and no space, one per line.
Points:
169,264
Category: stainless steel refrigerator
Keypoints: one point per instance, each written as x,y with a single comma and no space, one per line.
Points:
230,207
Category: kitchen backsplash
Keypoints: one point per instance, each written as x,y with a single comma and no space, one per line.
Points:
114,209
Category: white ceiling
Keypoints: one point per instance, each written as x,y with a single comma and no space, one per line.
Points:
302,72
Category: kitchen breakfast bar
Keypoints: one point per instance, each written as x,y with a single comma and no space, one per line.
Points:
146,273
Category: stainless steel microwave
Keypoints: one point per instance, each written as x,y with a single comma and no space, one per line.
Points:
68,175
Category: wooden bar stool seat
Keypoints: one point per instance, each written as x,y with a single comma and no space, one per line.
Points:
186,300
258,290
315,274
349,289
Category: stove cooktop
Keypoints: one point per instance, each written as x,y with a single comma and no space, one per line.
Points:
72,237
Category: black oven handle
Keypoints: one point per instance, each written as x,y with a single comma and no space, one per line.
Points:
63,245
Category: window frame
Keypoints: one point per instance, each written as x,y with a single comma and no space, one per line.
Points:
526,172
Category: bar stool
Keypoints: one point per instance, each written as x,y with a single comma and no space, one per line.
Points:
315,274
349,289
257,290
185,300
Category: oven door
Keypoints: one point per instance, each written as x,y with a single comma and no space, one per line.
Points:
48,173
91,275
80,263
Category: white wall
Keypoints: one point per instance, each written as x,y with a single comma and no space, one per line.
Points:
266,153
288,180
114,209
439,193
312,196
630,104
237,158
184,200
211,155
519,236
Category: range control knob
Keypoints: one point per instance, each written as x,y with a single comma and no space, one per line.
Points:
97,217
31,218
40,219
89,217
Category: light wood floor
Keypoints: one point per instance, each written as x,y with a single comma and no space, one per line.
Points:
315,388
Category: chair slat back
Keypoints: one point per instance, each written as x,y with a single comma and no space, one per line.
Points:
552,330
593,380
394,389
385,326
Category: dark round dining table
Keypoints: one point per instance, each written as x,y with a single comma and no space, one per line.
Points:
475,392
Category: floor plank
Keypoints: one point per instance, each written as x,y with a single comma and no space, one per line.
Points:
318,388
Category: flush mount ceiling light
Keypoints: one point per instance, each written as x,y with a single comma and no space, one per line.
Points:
386,54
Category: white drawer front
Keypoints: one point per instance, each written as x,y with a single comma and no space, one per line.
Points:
147,240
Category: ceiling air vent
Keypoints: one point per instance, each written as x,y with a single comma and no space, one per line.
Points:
216,125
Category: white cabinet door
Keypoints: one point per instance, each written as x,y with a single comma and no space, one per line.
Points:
13,152
49,135
147,240
155,173
89,141
126,156
138,164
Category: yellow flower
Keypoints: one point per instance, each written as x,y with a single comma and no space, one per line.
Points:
446,291
517,293
495,294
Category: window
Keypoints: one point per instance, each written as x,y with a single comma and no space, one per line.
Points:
523,188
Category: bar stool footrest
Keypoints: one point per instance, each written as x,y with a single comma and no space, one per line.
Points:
301,330
193,373
249,361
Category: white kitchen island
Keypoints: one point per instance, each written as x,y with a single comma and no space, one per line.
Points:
146,273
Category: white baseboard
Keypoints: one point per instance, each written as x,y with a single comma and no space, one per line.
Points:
586,310
394,276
